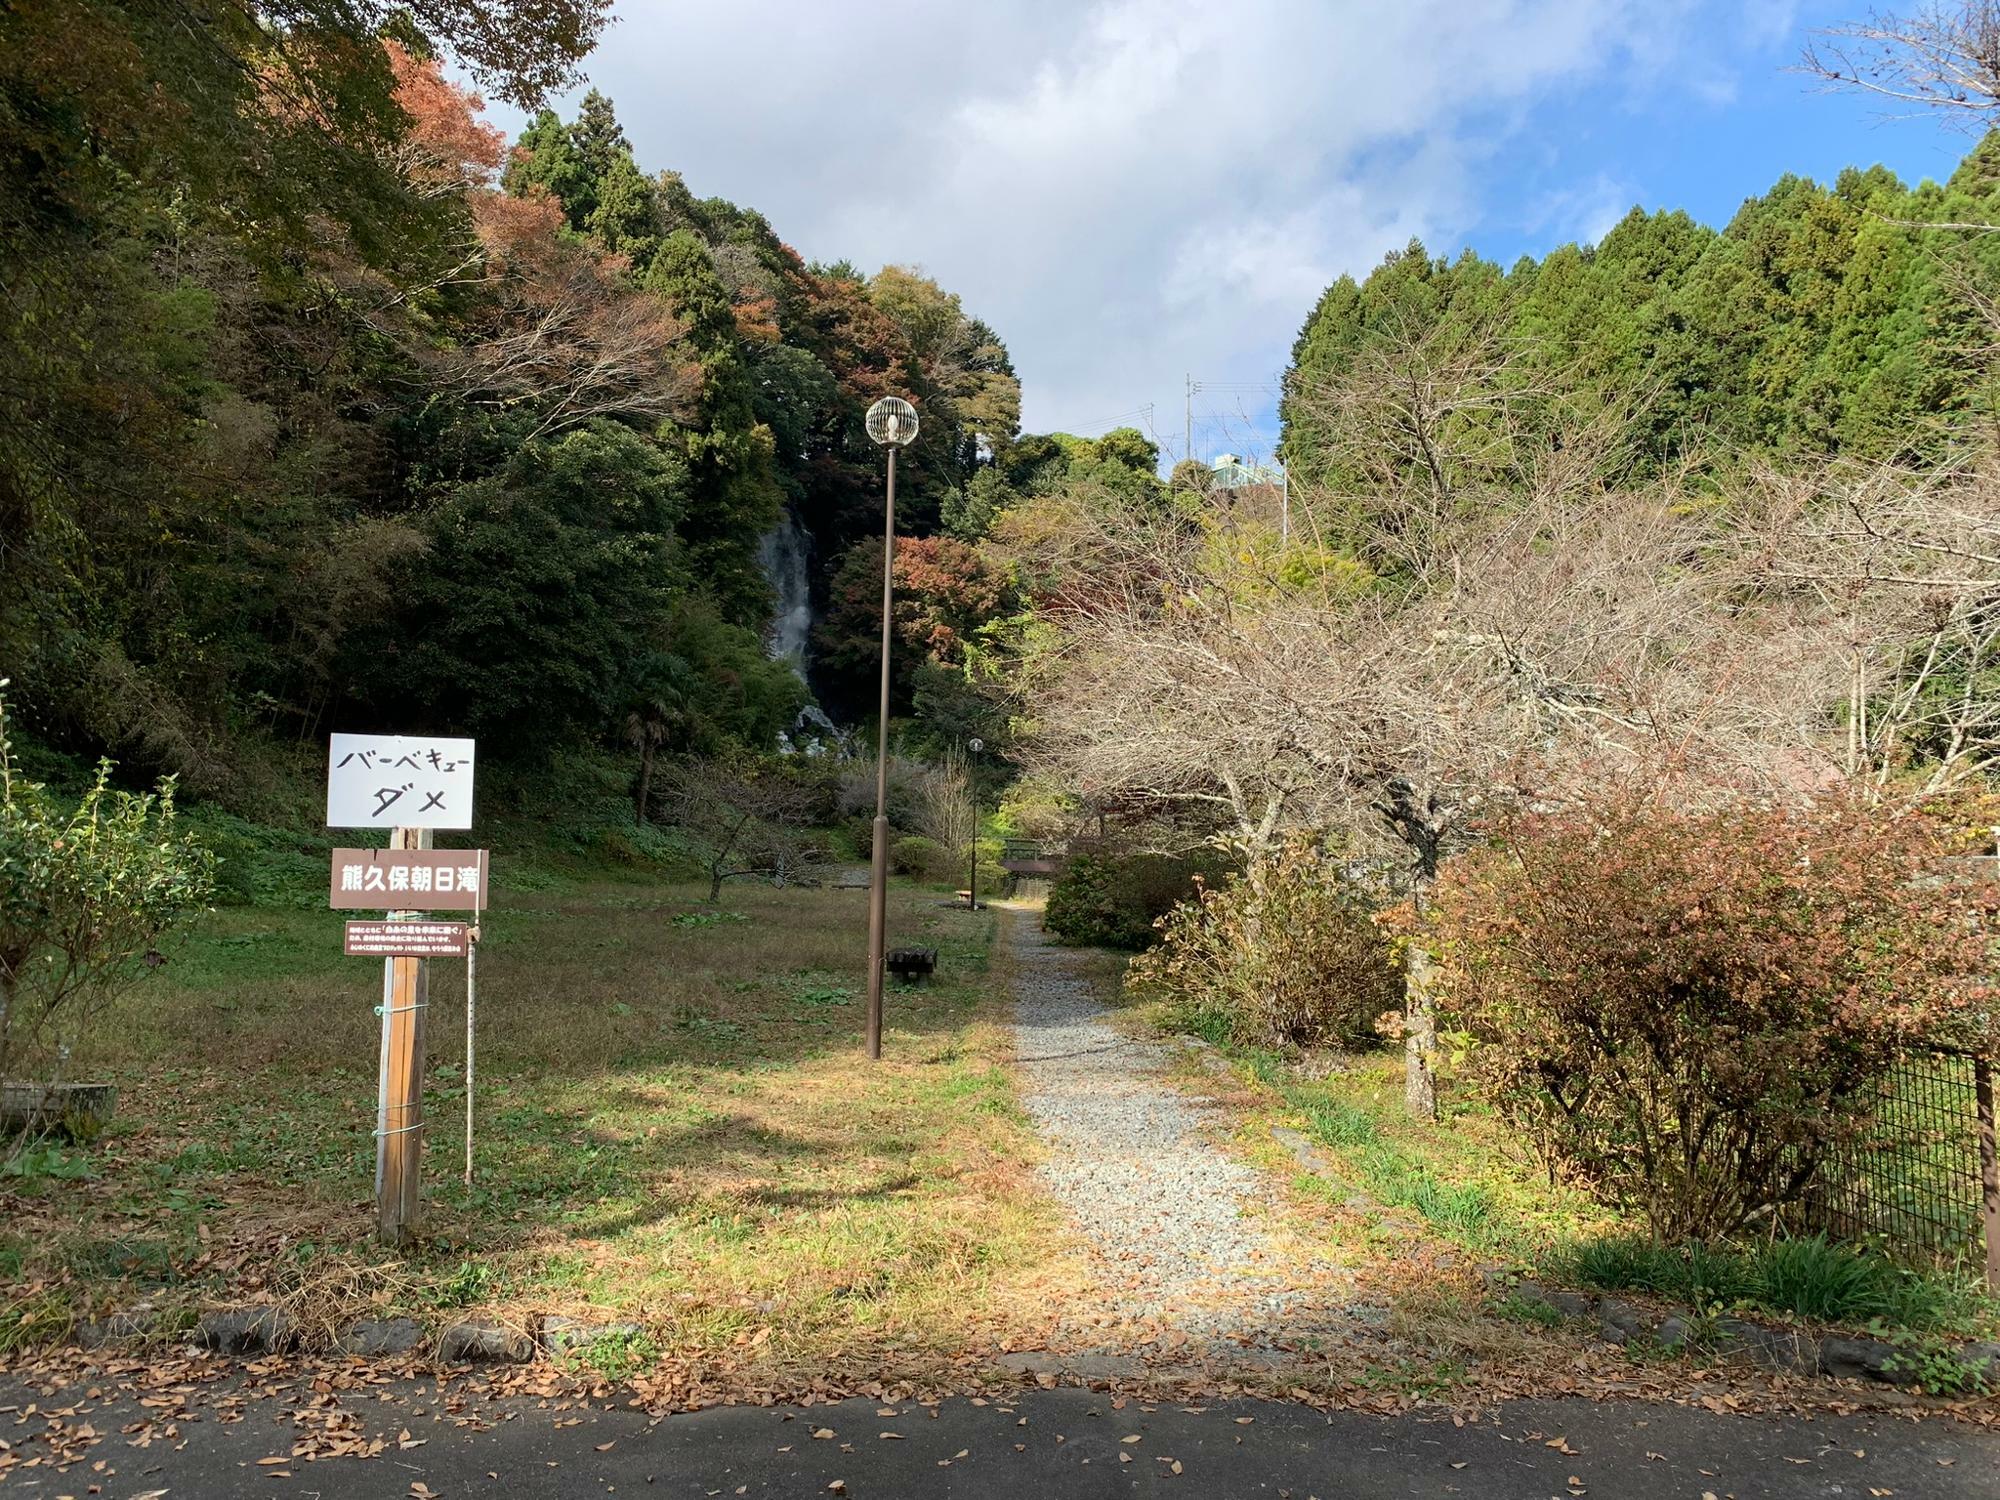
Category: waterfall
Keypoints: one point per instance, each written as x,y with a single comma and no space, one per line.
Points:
785,555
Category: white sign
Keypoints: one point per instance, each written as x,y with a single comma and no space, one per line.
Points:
398,781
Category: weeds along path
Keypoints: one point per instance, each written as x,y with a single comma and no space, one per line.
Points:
1188,1249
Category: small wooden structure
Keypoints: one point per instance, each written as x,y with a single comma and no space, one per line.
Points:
1020,857
911,963
78,1110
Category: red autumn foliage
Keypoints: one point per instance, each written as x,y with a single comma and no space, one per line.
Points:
757,319
448,148
1694,1009
560,332
944,592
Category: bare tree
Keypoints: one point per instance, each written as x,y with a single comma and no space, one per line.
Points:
1944,54
1899,574
1530,633
752,822
945,810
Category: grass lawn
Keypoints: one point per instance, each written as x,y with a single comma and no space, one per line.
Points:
677,1129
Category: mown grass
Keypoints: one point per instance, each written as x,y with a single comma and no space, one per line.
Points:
1463,1175
676,1127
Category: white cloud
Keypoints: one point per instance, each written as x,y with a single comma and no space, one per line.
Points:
1126,189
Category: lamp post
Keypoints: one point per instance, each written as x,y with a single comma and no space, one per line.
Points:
972,785
892,422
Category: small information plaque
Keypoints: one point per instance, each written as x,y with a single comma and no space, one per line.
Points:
406,939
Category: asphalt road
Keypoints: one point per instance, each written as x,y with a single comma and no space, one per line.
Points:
1056,1444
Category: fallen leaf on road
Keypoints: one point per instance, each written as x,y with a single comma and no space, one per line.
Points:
838,1486
1244,1421
1130,1437
822,1432
605,1447
888,1435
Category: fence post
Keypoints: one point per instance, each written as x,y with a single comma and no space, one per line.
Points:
1989,1168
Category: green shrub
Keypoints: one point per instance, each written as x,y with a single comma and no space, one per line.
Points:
1292,956
1809,1277
1695,1010
925,859
259,865
87,893
1116,900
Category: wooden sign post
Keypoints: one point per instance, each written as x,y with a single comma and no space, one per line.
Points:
399,1115
409,785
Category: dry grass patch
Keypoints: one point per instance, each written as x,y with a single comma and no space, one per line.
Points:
677,1128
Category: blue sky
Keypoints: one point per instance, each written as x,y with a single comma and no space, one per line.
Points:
1704,146
1132,191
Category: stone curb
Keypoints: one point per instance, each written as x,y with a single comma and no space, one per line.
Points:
256,1330
1791,1350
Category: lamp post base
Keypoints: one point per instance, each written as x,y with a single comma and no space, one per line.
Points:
878,927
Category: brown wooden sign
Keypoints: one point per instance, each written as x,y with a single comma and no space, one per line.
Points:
409,880
406,939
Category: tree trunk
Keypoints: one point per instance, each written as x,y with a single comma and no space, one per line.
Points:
7,984
1419,1033
645,781
1419,1010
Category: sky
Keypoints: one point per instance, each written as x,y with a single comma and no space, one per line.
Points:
1139,192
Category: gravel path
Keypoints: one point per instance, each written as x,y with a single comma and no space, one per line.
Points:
1171,1219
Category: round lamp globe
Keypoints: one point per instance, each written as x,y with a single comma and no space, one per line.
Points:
892,422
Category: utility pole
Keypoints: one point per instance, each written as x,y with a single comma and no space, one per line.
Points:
1187,412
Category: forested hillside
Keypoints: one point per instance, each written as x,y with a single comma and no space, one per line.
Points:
322,406
1820,321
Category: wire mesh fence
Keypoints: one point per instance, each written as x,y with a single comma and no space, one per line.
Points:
1917,1182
